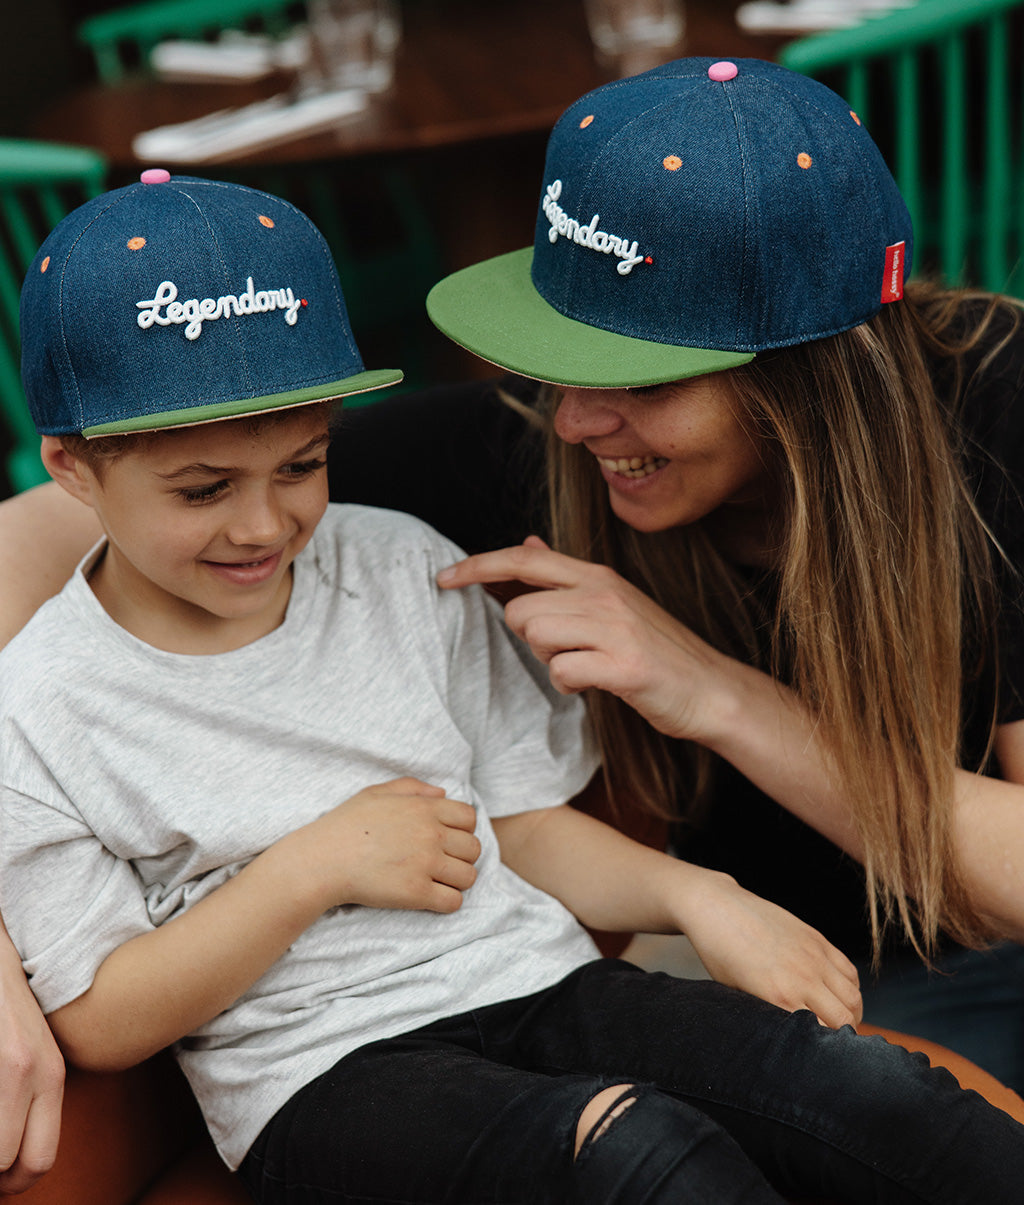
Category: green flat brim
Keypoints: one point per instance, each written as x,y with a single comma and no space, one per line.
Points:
190,416
493,310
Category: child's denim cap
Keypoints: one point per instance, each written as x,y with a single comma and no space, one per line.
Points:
689,218
177,301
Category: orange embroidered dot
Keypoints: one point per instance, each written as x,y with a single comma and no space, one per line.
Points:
672,163
137,243
45,264
265,221
804,160
586,121
855,117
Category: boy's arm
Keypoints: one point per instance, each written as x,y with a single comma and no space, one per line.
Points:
44,533
159,986
611,882
402,844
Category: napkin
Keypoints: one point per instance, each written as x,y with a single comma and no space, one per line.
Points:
234,56
232,131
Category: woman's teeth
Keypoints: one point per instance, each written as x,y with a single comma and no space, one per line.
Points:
633,466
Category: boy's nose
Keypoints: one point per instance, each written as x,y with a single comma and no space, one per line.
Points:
586,414
258,521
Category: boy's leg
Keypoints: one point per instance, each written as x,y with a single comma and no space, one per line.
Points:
420,1119
821,1112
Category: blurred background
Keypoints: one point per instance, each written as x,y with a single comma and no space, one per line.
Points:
413,131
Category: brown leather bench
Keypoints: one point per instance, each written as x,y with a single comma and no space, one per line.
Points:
136,1138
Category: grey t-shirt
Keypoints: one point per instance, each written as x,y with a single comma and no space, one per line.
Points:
136,781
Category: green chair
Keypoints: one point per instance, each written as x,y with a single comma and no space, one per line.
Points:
940,87
39,183
122,39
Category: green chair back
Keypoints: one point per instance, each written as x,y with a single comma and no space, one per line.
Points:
122,39
940,87
39,184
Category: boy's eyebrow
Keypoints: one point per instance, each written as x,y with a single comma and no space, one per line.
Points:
215,470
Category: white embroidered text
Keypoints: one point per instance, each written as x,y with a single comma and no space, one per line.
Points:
589,235
195,311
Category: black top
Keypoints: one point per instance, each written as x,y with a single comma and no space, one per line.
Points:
461,459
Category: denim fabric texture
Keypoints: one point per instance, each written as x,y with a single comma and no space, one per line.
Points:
175,301
760,207
689,218
737,1102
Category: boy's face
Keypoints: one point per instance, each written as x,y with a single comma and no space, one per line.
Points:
204,524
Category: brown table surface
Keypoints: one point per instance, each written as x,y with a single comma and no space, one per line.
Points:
467,71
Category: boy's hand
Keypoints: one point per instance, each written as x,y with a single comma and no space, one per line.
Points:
751,943
399,844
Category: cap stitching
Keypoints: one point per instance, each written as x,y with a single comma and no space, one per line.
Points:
741,293
235,320
339,300
114,202
585,180
841,129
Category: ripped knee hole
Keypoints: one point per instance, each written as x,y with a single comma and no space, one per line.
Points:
601,1112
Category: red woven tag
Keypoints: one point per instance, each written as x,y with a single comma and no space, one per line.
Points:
892,281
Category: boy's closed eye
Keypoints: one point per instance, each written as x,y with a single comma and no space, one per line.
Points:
293,471
202,493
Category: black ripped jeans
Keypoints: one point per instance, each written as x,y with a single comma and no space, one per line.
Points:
737,1102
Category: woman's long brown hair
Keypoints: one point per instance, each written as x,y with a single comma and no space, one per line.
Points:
884,573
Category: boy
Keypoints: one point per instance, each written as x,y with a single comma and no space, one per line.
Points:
268,795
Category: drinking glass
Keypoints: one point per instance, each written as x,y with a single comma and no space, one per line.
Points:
635,34
352,44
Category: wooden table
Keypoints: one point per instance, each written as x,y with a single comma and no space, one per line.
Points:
467,71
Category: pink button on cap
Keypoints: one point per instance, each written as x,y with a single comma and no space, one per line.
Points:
722,71
155,175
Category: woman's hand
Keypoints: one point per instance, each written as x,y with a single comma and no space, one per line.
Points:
747,942
593,629
31,1080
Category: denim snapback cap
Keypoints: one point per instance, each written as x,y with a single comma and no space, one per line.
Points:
689,218
177,301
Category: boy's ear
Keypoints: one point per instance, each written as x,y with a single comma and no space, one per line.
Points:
67,470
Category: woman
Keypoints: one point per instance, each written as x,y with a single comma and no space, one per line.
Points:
791,479
806,581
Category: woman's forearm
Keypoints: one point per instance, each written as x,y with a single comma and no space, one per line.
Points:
31,1080
44,533
769,736
988,831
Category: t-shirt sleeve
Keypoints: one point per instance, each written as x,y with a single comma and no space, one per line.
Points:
93,899
532,747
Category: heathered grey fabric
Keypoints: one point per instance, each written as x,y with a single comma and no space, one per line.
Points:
136,781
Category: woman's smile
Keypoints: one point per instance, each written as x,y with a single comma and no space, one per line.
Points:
670,454
631,466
